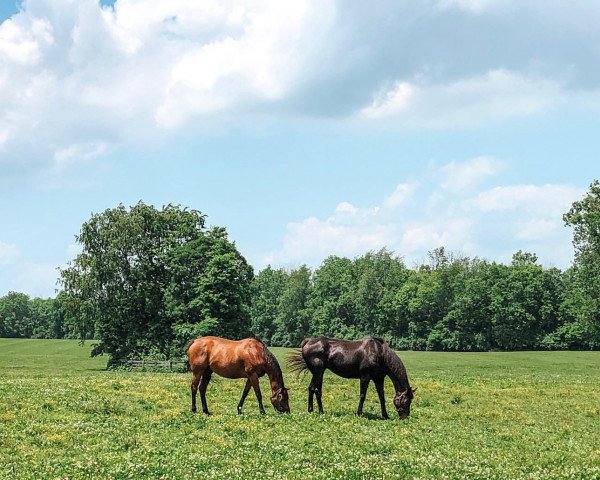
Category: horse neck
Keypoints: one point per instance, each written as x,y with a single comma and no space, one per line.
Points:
396,371
273,371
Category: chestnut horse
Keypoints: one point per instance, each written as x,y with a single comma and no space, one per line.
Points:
368,359
248,358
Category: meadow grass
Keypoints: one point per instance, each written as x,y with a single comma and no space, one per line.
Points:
475,415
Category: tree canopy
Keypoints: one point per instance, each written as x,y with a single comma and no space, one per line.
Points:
149,280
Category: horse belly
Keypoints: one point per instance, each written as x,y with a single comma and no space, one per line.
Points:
345,371
228,370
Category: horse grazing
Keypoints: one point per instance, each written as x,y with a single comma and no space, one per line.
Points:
248,358
367,359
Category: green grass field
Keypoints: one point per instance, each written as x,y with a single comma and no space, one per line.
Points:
485,415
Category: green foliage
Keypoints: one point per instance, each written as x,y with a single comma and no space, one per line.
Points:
148,280
292,320
518,415
24,317
584,217
267,289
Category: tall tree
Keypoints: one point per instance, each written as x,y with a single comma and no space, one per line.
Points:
332,299
15,316
524,303
267,288
584,217
292,322
144,275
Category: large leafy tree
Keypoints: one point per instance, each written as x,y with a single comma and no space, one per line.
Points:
292,321
332,300
24,317
15,315
209,290
584,217
267,288
148,279
378,276
524,303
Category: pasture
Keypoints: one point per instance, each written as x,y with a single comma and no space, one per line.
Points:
475,415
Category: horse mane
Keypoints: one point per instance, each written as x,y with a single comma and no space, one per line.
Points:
395,366
272,363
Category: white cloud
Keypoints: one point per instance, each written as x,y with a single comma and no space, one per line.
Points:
8,253
462,175
402,193
493,96
21,44
75,77
75,74
78,153
549,200
422,215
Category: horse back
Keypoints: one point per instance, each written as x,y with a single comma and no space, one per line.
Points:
227,358
346,358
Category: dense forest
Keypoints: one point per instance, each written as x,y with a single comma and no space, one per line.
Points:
149,280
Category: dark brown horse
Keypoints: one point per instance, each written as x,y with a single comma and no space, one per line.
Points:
248,358
367,359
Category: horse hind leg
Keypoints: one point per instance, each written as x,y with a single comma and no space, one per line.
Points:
315,390
202,387
311,394
364,384
196,377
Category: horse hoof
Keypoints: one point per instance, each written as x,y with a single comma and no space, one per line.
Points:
193,410
207,413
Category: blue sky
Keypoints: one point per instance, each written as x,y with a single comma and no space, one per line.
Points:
322,128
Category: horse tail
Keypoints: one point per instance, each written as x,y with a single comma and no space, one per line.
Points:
295,361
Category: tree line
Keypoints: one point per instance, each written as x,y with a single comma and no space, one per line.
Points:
149,280
447,303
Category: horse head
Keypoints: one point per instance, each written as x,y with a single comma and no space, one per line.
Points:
280,400
402,402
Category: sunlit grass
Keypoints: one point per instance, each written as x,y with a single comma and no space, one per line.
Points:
489,415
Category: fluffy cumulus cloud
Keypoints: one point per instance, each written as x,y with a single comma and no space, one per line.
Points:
77,77
492,96
417,217
459,176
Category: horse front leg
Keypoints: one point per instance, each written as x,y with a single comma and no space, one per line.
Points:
381,393
254,382
364,384
203,385
244,395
